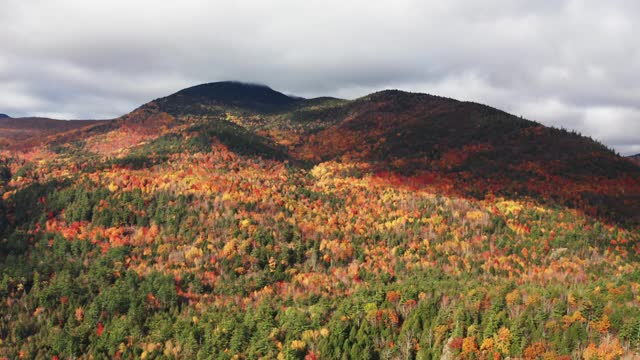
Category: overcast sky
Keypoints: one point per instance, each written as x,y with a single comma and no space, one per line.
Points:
572,64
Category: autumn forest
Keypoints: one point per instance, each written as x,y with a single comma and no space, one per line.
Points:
231,221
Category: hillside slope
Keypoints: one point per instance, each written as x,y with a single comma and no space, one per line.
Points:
23,133
231,221
479,150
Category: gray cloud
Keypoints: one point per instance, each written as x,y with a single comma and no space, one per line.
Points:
569,63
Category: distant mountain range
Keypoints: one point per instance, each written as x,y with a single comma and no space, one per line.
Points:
31,131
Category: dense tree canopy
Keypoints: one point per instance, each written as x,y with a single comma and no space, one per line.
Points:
226,237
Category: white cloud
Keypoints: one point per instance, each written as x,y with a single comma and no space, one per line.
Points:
556,61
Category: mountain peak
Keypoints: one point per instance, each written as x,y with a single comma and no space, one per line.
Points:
235,93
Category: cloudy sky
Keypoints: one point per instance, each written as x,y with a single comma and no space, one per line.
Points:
572,64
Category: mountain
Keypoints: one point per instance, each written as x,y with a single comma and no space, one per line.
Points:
29,131
479,149
229,220
236,92
431,140
202,98
4,116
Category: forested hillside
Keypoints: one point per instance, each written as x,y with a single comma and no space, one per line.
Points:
232,221
25,133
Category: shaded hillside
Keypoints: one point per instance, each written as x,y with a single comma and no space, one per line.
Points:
477,150
418,128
